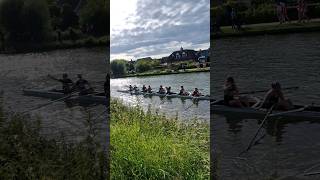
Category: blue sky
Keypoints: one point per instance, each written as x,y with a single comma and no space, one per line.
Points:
143,28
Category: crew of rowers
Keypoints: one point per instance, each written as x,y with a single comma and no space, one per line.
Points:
273,98
166,90
81,85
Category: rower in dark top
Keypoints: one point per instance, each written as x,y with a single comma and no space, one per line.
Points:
169,90
231,94
196,93
275,97
183,92
135,88
149,90
83,86
144,88
66,83
161,90
130,88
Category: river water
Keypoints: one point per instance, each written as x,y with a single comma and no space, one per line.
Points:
287,149
173,107
30,71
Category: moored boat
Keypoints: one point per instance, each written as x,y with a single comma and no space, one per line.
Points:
165,95
96,98
299,111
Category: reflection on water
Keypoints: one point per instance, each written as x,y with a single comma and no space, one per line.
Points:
31,70
284,147
183,108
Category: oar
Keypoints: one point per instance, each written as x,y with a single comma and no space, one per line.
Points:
261,91
258,130
51,102
291,111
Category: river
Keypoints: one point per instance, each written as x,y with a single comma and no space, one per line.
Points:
172,107
287,149
30,71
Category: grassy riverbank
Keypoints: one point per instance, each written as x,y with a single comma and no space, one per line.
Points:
269,28
90,42
150,146
26,154
167,72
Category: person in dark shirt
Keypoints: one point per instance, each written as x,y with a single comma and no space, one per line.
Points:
83,86
66,83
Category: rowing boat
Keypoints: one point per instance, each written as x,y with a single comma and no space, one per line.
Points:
56,94
207,98
299,111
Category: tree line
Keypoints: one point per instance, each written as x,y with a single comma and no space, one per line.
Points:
51,20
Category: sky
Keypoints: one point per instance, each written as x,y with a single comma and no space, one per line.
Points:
156,28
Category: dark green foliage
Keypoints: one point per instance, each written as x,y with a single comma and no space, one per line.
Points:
118,67
146,65
25,20
94,17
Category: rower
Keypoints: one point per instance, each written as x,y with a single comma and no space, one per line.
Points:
161,90
231,95
196,93
130,88
275,97
149,90
83,86
183,92
66,83
144,88
169,90
135,88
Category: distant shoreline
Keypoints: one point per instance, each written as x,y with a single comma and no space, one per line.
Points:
196,70
21,48
268,29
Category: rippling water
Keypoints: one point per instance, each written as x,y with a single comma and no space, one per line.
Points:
31,70
185,109
287,149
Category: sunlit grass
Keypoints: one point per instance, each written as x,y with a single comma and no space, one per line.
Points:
149,146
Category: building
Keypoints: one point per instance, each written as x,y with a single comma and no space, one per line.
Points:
183,55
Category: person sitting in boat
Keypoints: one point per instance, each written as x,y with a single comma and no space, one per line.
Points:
183,92
169,90
149,90
161,90
275,97
144,88
196,93
135,88
83,86
231,94
66,83
130,88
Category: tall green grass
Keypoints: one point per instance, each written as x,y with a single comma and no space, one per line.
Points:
26,154
150,146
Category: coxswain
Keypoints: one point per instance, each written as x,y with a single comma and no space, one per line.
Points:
161,90
274,97
66,83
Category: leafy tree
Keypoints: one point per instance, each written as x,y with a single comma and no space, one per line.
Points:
118,67
69,17
94,17
25,20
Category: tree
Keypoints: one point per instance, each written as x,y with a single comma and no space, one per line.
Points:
94,17
25,20
118,67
